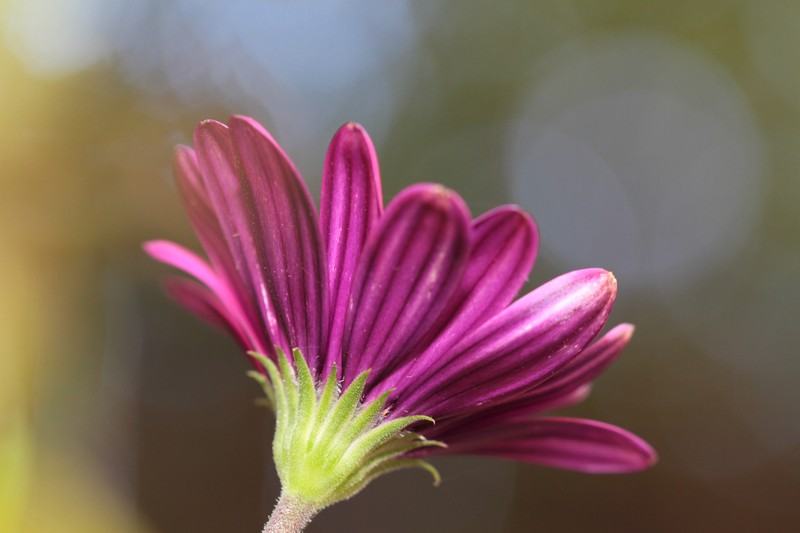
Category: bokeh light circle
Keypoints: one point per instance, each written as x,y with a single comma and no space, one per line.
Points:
640,155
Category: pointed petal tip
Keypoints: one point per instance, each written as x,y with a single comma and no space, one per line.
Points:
579,395
437,197
641,455
246,130
624,331
524,220
612,280
652,460
605,276
528,218
209,124
157,248
647,458
210,131
440,194
353,134
207,121
514,209
146,245
601,280
595,284
182,150
244,119
352,127
252,125
513,214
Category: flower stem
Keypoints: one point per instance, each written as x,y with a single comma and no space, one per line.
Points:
289,516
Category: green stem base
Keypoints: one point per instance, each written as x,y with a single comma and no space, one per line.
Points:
289,516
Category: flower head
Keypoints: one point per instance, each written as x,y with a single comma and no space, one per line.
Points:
411,309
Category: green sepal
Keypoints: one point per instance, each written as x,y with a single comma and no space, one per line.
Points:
379,435
329,392
340,412
361,422
328,444
265,385
386,467
306,404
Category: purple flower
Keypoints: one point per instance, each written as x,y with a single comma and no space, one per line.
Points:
421,294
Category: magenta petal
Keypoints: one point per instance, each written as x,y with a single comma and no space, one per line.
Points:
198,206
571,443
570,385
179,257
588,365
504,245
202,302
289,243
351,204
536,403
518,410
520,347
231,200
411,265
207,225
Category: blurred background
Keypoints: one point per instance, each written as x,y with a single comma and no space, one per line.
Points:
658,140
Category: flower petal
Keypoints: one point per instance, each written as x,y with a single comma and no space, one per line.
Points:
207,225
410,267
570,443
202,302
228,195
520,410
588,365
179,257
175,255
289,243
570,385
351,204
201,213
504,245
519,348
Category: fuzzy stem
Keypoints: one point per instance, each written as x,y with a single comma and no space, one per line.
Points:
289,516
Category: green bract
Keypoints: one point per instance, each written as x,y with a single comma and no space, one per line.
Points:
328,446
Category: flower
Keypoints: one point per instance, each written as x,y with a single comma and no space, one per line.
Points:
410,308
